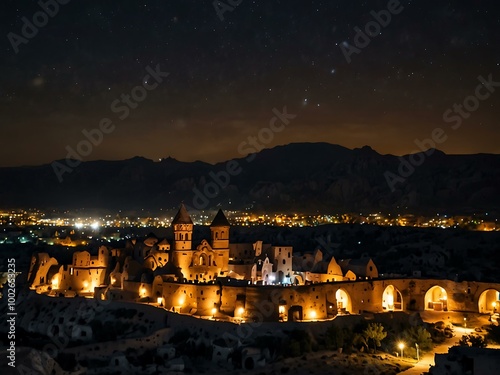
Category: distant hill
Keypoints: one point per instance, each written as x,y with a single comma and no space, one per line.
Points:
301,176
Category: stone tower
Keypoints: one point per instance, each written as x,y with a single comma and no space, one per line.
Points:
183,229
220,231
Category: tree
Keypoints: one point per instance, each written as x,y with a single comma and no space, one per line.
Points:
375,332
418,335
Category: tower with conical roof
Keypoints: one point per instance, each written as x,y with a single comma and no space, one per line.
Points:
220,231
183,229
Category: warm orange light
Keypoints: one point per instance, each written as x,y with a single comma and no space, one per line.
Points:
214,311
85,284
159,300
494,304
401,345
282,309
313,314
55,282
241,311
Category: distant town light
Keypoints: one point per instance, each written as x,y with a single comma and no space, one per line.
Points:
95,225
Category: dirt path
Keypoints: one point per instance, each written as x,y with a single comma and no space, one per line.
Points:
427,359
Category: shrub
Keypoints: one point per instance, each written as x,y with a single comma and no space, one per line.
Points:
473,340
493,334
418,335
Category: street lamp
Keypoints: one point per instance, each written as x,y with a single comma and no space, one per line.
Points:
416,346
401,346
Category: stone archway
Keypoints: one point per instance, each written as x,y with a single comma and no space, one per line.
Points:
489,301
295,313
436,299
297,280
392,299
343,299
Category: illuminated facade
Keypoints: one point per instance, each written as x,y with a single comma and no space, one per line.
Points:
217,279
208,260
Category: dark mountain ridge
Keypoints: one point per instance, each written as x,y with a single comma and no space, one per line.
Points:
309,177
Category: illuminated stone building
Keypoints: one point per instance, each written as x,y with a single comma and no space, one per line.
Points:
208,260
244,282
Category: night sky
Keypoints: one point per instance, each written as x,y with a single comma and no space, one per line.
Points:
225,77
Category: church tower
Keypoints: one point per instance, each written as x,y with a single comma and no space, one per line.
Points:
183,229
220,231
